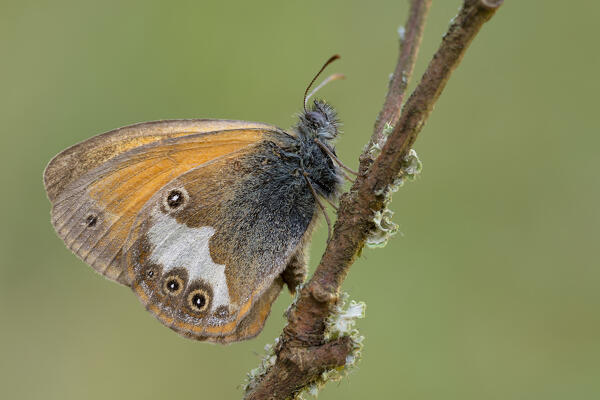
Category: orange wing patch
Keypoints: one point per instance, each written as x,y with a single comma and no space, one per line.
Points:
77,160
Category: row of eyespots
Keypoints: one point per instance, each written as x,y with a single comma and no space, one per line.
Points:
197,299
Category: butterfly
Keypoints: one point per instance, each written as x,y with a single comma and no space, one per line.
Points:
204,219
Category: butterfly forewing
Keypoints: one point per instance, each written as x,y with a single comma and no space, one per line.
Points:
93,213
83,157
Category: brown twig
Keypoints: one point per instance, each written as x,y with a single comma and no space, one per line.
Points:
302,352
410,40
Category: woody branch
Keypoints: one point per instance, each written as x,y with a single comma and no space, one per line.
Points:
302,352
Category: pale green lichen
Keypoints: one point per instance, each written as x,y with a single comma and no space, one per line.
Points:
404,78
375,148
255,375
411,168
412,164
387,129
401,32
385,228
286,313
341,323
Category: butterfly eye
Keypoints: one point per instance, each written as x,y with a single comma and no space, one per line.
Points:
198,300
173,285
317,119
91,221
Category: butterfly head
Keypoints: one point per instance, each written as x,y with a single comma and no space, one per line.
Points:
319,121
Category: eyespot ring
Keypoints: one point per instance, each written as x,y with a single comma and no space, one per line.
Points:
173,285
198,300
175,199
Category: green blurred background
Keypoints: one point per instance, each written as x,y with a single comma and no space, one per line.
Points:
491,293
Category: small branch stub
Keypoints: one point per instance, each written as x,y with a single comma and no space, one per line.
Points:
385,228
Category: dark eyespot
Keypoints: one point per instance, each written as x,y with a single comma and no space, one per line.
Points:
174,198
198,300
91,221
149,272
173,285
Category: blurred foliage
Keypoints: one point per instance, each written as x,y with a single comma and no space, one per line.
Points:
492,292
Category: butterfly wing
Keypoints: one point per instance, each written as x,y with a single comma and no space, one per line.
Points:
97,187
206,252
83,157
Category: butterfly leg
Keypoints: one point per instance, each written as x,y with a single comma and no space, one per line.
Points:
295,271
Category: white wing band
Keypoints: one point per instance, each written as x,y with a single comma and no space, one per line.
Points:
178,246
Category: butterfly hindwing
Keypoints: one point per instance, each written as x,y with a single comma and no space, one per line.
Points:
206,252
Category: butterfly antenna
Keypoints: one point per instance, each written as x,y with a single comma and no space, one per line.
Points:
337,160
314,193
331,59
330,78
332,204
